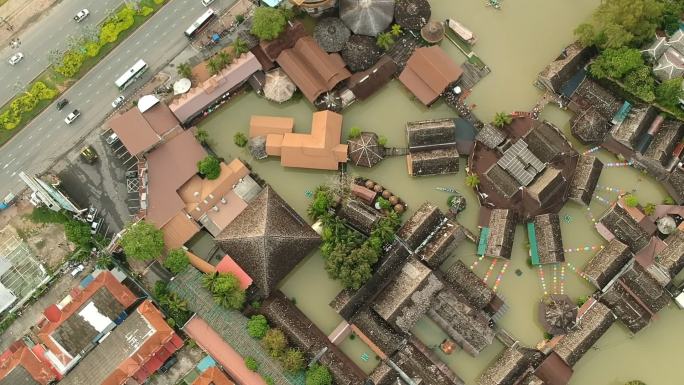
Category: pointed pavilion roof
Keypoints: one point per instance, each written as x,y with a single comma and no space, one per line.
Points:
268,239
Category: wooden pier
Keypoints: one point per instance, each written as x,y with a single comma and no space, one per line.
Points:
395,151
472,74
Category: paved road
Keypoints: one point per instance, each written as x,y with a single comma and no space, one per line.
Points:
51,32
37,146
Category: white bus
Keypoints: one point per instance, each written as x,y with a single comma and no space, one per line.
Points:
131,75
200,23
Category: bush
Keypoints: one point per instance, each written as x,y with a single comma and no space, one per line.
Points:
159,1
320,205
668,93
184,70
257,326
268,23
92,48
668,201
354,133
292,360
251,363
240,139
176,261
274,342
268,380
318,375
145,11
631,200
71,63
142,241
210,167
43,214
649,209
42,92
472,180
582,300
225,289
382,141
78,233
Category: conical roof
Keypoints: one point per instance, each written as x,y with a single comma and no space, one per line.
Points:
557,313
433,32
278,87
412,14
331,34
360,53
367,17
268,239
364,150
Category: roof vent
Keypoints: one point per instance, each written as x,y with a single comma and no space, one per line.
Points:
215,208
211,196
223,200
195,194
205,201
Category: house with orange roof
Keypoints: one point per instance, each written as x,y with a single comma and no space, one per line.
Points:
212,376
20,364
320,149
143,127
428,72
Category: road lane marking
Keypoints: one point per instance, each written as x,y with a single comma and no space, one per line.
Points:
87,101
14,173
90,85
49,120
30,137
40,128
19,147
79,94
156,26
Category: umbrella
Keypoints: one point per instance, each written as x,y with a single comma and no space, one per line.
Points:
364,150
367,17
278,87
412,14
557,313
433,32
360,53
331,34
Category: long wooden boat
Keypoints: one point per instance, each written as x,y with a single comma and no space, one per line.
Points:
461,31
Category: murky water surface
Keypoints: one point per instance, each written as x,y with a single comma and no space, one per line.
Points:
516,43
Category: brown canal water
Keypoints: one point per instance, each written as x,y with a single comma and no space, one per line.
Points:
516,43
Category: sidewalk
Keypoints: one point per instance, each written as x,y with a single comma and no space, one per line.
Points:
19,14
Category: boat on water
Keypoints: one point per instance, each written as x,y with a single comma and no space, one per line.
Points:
446,189
461,31
496,4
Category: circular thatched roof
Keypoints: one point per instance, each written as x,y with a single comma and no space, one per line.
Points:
367,17
433,32
365,150
557,313
278,87
360,53
412,14
331,34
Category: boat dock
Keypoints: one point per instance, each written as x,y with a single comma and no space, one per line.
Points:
472,74
395,151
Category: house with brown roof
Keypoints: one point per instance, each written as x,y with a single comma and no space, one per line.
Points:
553,371
510,366
594,320
565,67
442,244
214,90
366,83
21,365
321,149
212,376
585,179
432,147
140,131
470,286
312,70
607,263
546,241
671,258
428,72
359,216
496,240
621,222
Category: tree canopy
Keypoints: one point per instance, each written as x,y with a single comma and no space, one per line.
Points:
268,23
225,288
142,241
501,119
257,326
176,261
274,342
616,63
669,92
641,83
318,375
292,360
622,22
210,167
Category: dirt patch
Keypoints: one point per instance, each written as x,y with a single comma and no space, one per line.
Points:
20,14
47,241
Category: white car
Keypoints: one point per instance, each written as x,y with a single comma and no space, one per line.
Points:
77,270
207,3
92,212
118,101
72,116
16,58
82,14
95,226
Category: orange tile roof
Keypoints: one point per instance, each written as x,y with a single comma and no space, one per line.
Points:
20,355
104,280
263,125
178,230
212,376
428,72
200,264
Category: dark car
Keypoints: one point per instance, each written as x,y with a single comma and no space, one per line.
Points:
62,103
89,155
168,364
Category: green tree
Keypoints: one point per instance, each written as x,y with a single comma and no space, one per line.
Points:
142,241
396,30
292,360
104,262
268,23
616,63
224,59
672,13
383,203
225,288
184,70
582,300
382,141
668,201
622,22
251,363
176,261
669,92
649,209
641,84
385,41
352,268
472,180
213,66
240,47
274,342
257,326
78,233
202,136
210,167
631,200
320,205
501,119
354,132
240,139
318,375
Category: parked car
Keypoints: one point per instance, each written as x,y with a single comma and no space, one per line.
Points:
89,155
118,101
168,364
72,116
61,104
77,270
111,139
207,3
16,58
95,226
82,14
92,212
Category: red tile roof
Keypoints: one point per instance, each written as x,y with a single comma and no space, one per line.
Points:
428,72
20,355
228,265
213,376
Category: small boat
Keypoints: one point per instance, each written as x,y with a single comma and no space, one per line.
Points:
447,189
461,31
494,4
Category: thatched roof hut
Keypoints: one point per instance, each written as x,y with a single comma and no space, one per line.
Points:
433,32
365,150
257,147
557,314
268,239
412,14
594,321
278,87
331,34
360,53
367,17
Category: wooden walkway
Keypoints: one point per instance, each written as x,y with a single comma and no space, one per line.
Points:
472,74
395,151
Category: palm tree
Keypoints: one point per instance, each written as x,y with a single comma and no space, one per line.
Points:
208,280
184,70
396,30
224,59
385,41
501,119
240,47
472,180
213,66
202,136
